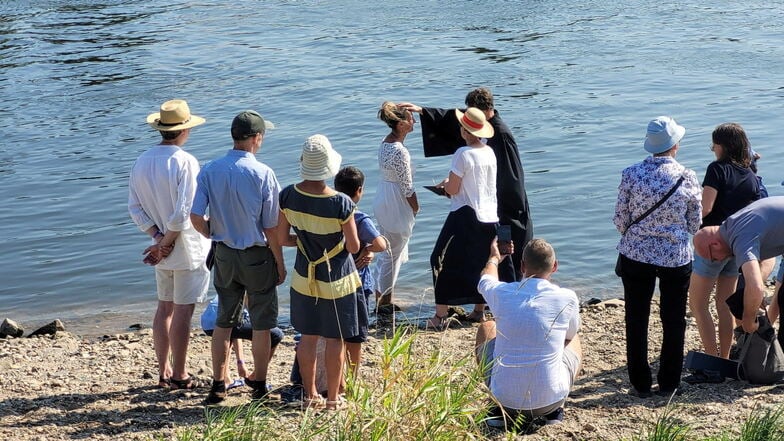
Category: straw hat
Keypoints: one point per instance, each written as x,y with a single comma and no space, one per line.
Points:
663,133
475,122
319,160
174,115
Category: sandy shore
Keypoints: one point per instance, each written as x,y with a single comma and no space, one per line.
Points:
72,387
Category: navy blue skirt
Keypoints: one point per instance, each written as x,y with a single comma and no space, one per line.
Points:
460,254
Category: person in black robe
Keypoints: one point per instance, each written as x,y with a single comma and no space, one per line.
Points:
441,137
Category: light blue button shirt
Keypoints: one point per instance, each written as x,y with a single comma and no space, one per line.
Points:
242,196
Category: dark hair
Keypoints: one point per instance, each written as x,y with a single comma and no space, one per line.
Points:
348,180
392,114
171,134
481,98
735,145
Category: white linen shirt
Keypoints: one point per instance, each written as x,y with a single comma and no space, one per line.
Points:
534,318
160,192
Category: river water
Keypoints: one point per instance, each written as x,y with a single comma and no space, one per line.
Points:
576,80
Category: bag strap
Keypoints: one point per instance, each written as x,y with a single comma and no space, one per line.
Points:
656,205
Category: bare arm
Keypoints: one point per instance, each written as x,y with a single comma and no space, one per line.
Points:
277,251
708,199
350,233
200,224
753,294
414,203
452,184
285,238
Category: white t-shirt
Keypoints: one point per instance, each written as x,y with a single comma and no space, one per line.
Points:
160,192
533,320
477,168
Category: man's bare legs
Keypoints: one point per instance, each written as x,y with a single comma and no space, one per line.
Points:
260,346
160,337
484,333
179,338
220,352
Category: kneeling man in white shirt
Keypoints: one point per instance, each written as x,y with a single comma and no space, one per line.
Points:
532,349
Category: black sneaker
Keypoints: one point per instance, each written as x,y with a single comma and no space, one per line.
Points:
217,392
292,395
640,394
668,392
554,417
495,418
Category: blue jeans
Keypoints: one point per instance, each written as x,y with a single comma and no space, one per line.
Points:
639,281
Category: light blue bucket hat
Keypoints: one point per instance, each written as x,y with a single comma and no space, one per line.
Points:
663,133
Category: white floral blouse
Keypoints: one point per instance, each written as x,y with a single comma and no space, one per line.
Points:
395,163
663,237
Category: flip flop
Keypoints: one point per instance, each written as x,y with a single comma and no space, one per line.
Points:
239,382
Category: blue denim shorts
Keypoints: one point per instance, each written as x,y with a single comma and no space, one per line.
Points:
706,268
780,274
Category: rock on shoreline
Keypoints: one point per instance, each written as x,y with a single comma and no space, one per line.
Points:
66,386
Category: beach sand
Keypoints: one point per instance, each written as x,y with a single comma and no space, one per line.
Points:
72,387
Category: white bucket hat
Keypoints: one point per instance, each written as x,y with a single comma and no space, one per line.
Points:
319,160
663,133
174,115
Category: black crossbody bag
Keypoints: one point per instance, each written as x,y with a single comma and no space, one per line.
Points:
618,266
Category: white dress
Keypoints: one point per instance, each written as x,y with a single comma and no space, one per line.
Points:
394,215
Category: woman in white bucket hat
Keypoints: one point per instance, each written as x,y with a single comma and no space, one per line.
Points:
325,283
655,245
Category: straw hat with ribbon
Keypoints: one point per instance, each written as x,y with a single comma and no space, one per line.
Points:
174,115
475,122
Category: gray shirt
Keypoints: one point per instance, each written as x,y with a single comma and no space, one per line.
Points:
757,231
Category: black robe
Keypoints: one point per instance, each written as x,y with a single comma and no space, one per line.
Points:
441,137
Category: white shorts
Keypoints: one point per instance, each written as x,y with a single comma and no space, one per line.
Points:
183,287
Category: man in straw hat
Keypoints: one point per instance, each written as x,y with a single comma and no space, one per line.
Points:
441,136
242,196
161,189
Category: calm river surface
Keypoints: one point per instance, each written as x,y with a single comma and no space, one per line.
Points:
576,80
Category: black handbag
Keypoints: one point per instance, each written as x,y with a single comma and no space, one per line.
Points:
618,265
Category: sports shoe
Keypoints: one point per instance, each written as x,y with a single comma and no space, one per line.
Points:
292,395
495,418
554,417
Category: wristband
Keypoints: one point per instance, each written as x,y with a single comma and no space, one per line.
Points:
492,262
157,234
